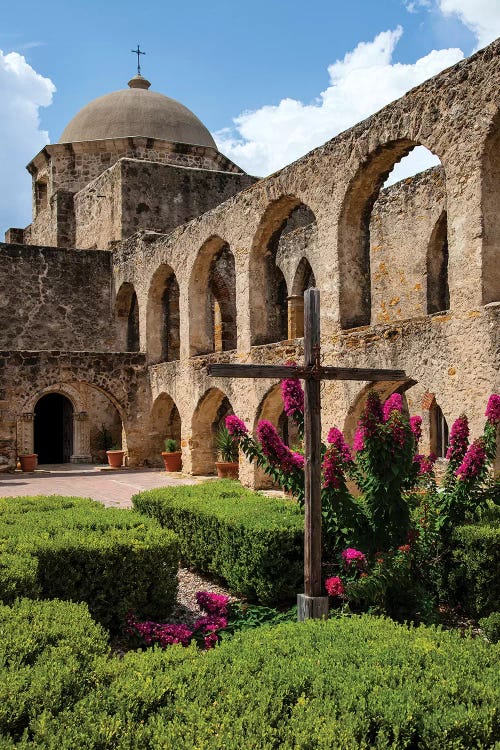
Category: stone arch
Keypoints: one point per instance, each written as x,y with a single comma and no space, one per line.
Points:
87,401
438,291
271,409
212,299
491,214
354,231
304,279
213,407
165,424
268,287
163,318
127,318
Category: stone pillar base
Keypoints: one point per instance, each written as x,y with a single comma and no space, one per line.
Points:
312,607
80,459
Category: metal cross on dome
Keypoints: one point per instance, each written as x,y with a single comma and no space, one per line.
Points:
138,52
311,604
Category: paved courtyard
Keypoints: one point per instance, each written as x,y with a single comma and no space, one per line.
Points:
113,488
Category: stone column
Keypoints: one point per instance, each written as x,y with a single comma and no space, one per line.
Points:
81,438
25,437
295,316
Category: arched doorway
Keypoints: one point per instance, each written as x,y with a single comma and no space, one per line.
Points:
53,429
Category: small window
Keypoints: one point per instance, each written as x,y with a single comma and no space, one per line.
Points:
41,194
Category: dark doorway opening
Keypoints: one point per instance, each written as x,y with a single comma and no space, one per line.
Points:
54,429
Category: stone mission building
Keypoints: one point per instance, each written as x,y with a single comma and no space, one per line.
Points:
151,254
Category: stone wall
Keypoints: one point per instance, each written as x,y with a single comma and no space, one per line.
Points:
55,298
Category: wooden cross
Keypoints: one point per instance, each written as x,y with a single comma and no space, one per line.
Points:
138,52
311,604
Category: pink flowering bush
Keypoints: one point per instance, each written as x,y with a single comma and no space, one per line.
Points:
205,631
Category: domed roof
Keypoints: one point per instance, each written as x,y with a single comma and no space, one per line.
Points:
137,111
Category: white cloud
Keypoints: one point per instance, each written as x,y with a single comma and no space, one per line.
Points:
22,92
365,80
482,17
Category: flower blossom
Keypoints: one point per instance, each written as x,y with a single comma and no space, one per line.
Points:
214,604
492,413
210,640
353,556
397,428
336,438
416,427
332,469
292,395
393,403
334,586
372,415
459,439
235,426
405,548
275,450
165,634
426,463
358,443
210,623
473,461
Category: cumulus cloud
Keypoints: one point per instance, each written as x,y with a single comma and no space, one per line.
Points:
22,92
365,80
482,17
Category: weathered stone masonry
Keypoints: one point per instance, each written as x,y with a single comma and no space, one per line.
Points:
409,277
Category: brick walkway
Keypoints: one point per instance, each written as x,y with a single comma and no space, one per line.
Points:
113,488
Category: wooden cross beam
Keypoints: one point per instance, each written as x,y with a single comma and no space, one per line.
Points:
311,603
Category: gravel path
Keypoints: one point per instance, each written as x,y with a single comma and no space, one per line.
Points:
186,610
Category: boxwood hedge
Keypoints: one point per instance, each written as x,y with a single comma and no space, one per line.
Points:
49,651
474,579
359,683
76,549
253,542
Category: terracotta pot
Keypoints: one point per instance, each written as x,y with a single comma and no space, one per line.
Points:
28,461
172,460
227,469
115,458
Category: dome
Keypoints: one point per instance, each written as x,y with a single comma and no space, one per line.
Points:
136,111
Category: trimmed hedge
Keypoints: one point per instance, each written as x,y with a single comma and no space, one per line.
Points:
357,683
48,659
78,550
474,579
252,542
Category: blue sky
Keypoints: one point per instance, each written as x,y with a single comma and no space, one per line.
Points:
271,79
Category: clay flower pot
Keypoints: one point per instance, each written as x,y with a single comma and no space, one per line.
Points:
115,458
28,461
227,469
172,460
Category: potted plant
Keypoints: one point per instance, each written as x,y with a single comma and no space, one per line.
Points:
227,449
104,443
172,458
115,457
28,461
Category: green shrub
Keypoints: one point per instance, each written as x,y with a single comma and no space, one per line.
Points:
473,579
491,626
78,550
350,683
253,542
48,653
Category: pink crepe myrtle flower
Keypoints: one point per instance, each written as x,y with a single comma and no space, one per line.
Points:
275,450
358,443
292,395
372,415
235,426
416,427
426,463
397,428
459,439
334,586
352,556
393,403
214,604
336,438
473,461
332,469
492,413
